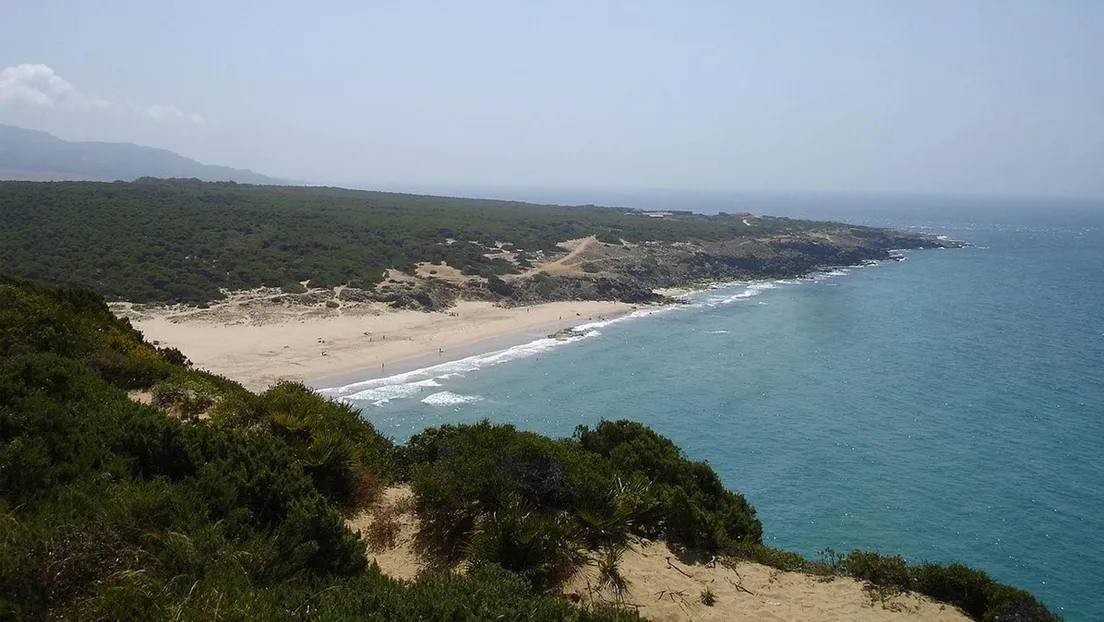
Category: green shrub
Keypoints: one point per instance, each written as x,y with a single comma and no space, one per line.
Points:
616,482
498,286
877,569
174,357
695,508
542,549
98,488
470,483
973,591
346,457
486,593
783,560
969,589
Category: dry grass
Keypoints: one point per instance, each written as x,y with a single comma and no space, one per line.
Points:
382,533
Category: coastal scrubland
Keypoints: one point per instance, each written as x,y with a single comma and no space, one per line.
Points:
186,241
134,486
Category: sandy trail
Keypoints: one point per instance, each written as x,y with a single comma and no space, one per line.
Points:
563,265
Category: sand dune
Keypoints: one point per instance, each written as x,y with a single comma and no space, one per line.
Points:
664,588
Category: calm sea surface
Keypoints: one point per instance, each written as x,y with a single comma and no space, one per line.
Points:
945,407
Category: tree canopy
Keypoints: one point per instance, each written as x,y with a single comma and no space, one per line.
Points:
181,240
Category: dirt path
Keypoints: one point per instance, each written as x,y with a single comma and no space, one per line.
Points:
563,265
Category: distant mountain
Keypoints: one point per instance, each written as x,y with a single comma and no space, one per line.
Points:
38,156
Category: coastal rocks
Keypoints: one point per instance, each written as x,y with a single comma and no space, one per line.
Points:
415,294
544,287
565,334
631,273
350,294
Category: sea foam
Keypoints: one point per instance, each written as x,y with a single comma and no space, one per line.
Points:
448,398
379,391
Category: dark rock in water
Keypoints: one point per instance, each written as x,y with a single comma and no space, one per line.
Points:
566,333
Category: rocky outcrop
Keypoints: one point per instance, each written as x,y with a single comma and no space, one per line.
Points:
544,287
412,294
630,273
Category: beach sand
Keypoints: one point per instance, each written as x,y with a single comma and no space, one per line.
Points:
663,588
258,343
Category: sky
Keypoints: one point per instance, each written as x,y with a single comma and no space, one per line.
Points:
931,96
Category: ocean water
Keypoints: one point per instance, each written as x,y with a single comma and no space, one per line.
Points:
945,407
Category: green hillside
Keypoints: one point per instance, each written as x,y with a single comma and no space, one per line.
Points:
184,240
216,503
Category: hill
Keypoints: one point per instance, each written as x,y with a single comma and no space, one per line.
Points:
189,241
38,156
135,487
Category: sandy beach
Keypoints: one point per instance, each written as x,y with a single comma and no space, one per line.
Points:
258,343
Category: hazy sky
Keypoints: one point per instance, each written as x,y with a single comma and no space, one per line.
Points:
999,96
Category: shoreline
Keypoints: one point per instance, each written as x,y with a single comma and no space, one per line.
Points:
426,360
258,343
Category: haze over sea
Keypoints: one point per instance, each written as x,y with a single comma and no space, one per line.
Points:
945,407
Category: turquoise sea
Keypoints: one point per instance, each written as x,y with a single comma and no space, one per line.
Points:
945,407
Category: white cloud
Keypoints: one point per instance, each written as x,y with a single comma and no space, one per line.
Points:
39,86
161,111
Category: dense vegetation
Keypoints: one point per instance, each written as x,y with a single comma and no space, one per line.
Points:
215,503
184,240
495,495
111,510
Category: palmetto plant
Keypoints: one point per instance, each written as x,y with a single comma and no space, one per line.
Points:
629,506
543,549
609,572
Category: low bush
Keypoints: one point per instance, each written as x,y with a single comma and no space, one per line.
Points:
98,488
543,549
708,598
495,495
346,457
694,507
972,591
